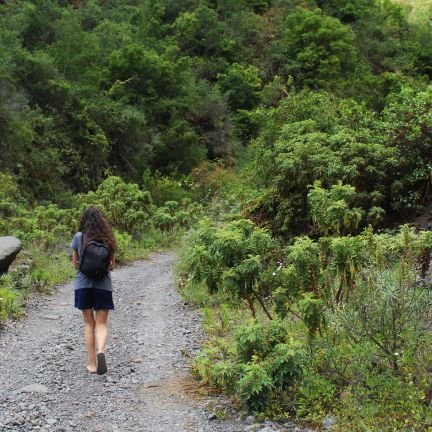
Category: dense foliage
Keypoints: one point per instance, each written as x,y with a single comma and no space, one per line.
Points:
301,129
344,327
91,88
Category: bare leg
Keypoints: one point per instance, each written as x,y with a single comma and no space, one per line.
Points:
101,331
89,334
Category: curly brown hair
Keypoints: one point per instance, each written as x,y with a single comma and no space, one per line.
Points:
95,226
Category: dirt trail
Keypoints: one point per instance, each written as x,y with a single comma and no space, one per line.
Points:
147,387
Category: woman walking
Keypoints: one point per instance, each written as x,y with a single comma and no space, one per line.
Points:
93,292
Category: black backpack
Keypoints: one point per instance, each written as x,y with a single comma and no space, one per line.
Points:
95,259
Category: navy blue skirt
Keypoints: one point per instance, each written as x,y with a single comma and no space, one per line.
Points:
93,298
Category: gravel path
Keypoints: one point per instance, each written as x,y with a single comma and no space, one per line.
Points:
43,380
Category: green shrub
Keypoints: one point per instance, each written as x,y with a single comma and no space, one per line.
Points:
163,188
355,313
209,178
331,209
224,375
255,386
384,402
163,219
126,206
251,342
39,279
261,364
316,396
230,259
337,163
124,243
287,364
9,305
176,215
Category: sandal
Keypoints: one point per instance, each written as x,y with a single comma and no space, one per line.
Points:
101,364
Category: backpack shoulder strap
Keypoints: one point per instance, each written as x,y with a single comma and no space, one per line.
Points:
82,243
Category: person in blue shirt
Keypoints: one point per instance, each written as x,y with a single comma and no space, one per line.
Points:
94,296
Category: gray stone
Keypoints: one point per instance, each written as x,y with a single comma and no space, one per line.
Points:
51,317
34,388
329,423
250,420
24,268
252,428
9,249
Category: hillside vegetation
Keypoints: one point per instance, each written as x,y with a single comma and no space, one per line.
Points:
289,138
418,8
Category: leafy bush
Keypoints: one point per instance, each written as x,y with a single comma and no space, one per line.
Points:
330,210
255,385
316,396
251,342
124,243
210,177
353,312
347,162
315,48
265,363
172,214
231,259
164,188
9,305
126,206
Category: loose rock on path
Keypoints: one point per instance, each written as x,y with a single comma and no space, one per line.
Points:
44,384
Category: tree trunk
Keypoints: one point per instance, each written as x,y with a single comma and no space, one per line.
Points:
251,306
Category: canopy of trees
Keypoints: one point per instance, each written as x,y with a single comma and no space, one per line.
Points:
91,88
